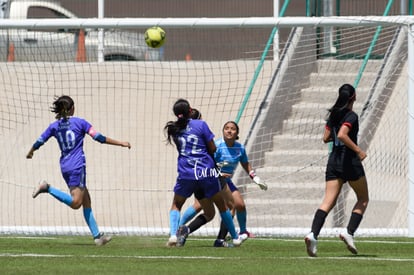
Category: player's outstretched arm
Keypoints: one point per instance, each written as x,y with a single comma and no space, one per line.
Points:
30,153
112,141
252,174
35,146
103,139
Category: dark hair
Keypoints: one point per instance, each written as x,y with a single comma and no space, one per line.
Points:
346,94
62,106
195,114
235,124
182,111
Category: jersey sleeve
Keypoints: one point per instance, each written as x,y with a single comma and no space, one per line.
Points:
44,137
243,156
350,119
86,126
207,133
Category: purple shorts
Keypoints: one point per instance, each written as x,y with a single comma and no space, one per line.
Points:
207,186
76,178
231,185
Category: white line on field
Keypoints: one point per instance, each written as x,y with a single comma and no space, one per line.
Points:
31,255
338,240
355,258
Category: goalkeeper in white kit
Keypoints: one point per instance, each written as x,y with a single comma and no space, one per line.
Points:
228,155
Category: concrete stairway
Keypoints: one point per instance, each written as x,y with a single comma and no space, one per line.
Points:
296,163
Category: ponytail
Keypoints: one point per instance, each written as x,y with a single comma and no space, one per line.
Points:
182,111
340,108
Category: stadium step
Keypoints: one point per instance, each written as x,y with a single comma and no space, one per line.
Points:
287,141
303,125
326,65
295,158
284,174
336,79
314,110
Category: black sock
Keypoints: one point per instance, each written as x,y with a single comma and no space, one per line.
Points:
354,222
198,222
223,231
318,222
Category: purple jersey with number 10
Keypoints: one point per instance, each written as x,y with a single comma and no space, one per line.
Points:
194,161
69,133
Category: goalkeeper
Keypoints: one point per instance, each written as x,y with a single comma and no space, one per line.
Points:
228,155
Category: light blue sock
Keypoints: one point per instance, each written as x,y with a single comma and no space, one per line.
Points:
91,222
241,218
60,195
189,213
228,221
174,222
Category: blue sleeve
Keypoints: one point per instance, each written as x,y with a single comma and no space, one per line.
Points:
37,144
44,137
243,157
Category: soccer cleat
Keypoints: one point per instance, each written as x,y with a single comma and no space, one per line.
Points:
249,235
101,239
172,241
311,244
182,234
222,243
348,239
41,188
240,239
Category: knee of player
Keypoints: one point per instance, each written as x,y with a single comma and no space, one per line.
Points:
365,201
240,206
76,204
197,207
209,215
230,205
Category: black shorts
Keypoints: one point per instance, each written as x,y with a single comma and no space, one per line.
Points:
343,167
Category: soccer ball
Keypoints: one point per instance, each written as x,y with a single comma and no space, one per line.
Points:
154,37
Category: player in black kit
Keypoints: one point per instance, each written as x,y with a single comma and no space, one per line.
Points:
344,165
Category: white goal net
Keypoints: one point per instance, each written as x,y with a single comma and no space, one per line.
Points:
279,100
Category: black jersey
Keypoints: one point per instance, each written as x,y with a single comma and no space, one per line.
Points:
351,121
343,162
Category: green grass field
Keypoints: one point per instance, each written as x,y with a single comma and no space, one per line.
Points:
148,255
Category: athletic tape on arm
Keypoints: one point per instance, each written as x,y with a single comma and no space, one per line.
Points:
96,135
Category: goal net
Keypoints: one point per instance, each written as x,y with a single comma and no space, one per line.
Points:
278,95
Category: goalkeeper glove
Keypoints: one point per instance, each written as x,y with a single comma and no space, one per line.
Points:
257,180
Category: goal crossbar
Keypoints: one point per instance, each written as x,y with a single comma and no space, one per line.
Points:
245,22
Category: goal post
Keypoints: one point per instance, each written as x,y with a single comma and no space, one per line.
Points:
281,123
411,132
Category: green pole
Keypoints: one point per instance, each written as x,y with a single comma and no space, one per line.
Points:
260,65
371,46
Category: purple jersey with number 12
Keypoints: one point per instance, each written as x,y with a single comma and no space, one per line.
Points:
69,133
194,161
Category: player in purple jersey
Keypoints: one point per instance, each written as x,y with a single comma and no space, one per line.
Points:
69,132
196,174
344,165
229,154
